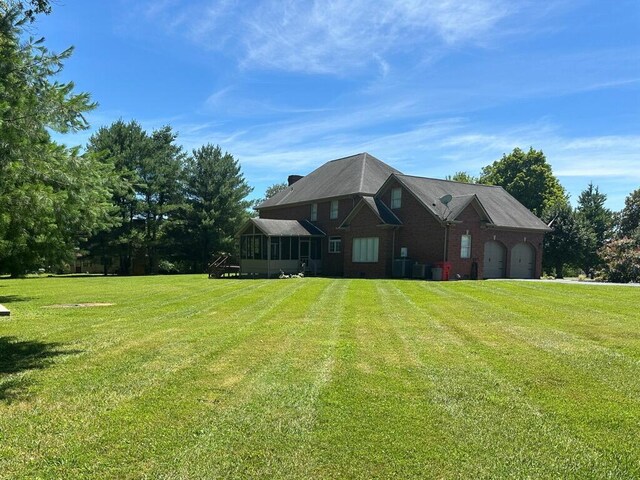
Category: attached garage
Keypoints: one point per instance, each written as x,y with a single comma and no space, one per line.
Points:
495,255
522,261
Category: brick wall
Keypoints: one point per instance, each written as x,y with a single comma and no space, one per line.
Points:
421,233
363,225
471,225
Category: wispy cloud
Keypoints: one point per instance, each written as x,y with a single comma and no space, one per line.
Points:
332,36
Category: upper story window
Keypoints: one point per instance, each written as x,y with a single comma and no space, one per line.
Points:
465,246
334,210
396,197
314,212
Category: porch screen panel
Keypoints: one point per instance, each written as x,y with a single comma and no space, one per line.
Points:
243,246
285,248
275,248
294,248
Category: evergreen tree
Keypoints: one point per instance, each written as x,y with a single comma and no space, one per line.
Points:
50,197
630,215
597,220
216,193
564,244
123,146
147,195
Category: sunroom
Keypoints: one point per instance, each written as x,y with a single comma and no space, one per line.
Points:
269,246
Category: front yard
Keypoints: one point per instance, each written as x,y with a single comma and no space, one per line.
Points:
185,377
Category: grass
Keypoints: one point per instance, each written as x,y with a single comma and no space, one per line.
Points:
185,377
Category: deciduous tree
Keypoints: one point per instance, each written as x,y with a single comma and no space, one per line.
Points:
528,177
463,177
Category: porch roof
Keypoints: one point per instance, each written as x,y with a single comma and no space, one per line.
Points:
286,228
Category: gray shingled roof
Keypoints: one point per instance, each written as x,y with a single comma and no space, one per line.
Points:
386,216
357,174
502,209
286,228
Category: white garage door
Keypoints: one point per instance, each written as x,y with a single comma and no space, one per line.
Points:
522,261
494,260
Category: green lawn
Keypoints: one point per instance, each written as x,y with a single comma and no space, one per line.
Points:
185,377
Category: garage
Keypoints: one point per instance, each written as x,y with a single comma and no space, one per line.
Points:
494,259
522,261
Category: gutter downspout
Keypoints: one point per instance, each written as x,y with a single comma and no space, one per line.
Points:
393,248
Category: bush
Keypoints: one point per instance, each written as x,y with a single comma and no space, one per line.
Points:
621,260
165,267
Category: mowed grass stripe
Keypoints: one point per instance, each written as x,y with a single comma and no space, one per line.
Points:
187,377
587,353
262,428
553,386
134,380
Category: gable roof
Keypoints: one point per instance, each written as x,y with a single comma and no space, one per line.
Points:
386,216
358,174
284,228
501,209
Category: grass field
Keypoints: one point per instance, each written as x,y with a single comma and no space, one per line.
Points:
185,377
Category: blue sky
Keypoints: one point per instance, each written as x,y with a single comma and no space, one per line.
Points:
430,87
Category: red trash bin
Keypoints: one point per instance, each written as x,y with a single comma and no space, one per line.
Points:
446,269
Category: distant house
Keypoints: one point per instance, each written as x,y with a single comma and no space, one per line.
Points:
358,217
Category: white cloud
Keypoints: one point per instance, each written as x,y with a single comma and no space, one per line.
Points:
331,36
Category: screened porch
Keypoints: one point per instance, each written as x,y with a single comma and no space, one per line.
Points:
269,246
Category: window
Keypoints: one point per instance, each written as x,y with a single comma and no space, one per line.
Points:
465,246
396,197
314,212
334,210
335,244
365,250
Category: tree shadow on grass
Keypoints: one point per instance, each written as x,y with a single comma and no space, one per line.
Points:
14,298
18,356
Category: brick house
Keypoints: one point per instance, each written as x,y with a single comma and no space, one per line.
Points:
358,217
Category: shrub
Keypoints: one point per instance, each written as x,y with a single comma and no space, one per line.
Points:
166,267
621,260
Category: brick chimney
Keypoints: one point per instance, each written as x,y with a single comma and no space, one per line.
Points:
294,178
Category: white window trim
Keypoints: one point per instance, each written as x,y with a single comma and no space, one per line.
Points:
333,241
370,254
333,213
465,251
314,212
396,202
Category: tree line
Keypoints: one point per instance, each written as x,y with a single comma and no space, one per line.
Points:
589,238
134,196
130,195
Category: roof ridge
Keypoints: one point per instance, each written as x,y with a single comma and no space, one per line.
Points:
348,156
362,169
